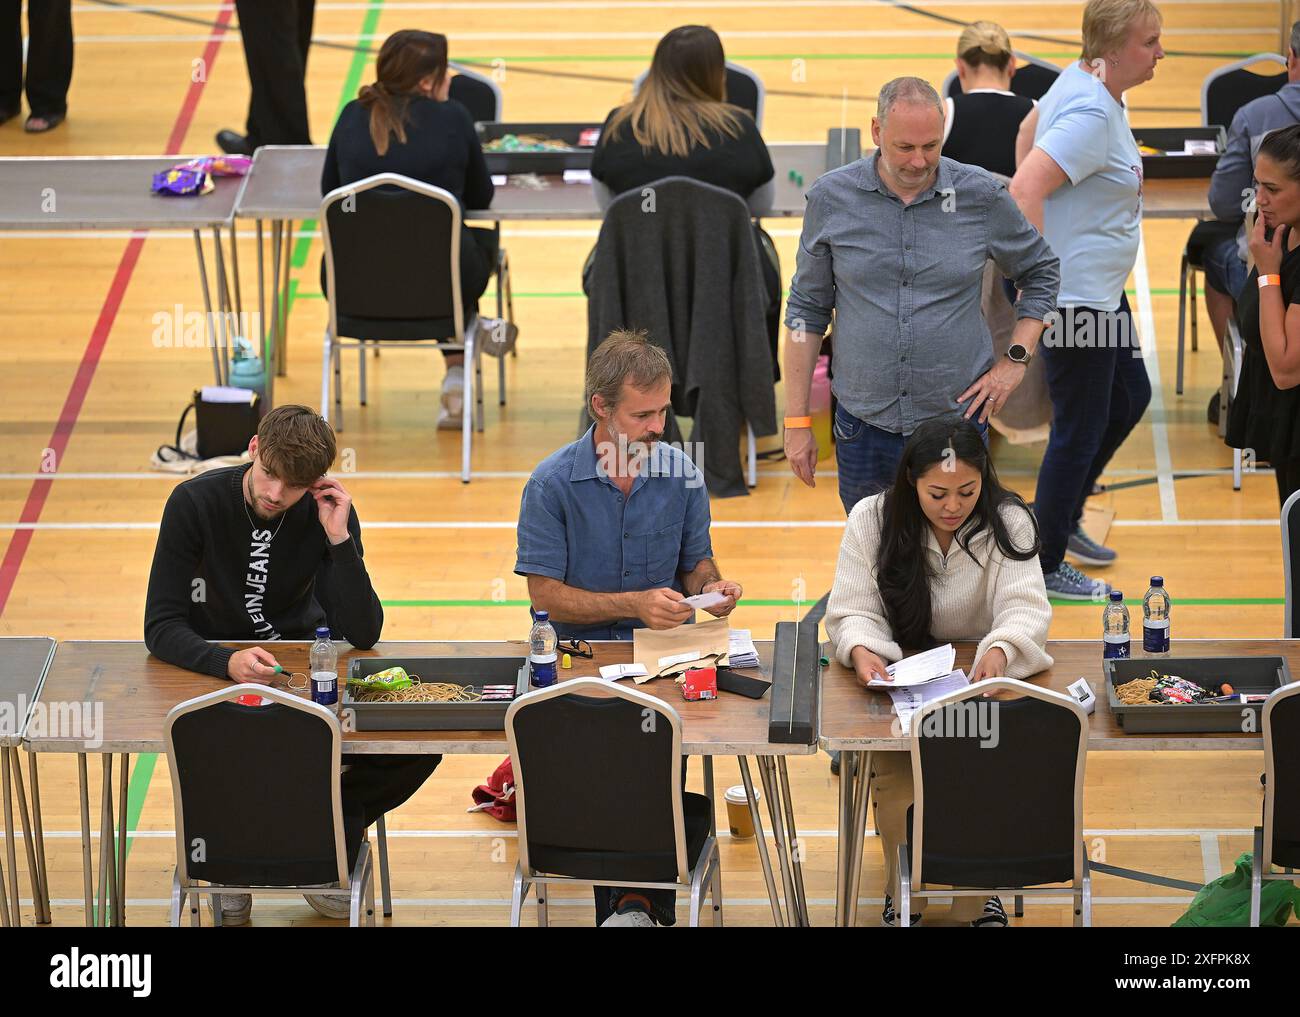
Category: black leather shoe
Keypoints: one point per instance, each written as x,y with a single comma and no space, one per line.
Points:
232,143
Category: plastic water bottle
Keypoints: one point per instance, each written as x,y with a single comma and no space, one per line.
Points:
1156,608
1114,628
246,369
324,670
541,652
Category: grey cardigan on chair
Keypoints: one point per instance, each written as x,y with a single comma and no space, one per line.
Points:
678,259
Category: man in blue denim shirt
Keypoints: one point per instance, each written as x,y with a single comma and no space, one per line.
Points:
614,528
614,533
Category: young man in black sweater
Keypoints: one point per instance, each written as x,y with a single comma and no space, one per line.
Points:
264,552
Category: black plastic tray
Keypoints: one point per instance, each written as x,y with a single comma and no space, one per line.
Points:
1245,674
475,671
536,162
1171,139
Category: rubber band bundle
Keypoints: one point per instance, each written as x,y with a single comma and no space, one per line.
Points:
394,685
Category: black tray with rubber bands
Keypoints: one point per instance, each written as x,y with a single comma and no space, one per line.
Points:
1246,675
474,672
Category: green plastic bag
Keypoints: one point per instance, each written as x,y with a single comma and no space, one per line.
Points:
1226,901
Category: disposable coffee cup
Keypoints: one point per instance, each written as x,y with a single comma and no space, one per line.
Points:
738,817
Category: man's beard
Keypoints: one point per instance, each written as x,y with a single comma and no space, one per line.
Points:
259,511
626,455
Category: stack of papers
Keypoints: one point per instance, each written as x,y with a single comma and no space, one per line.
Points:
919,668
910,698
741,651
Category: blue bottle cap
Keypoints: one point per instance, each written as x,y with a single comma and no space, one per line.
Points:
1117,596
542,616
1157,580
322,632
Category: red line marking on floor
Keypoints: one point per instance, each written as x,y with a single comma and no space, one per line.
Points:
76,397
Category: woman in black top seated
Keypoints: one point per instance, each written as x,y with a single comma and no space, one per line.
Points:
404,123
983,120
1265,412
680,124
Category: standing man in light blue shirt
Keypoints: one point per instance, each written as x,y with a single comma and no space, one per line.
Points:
1081,183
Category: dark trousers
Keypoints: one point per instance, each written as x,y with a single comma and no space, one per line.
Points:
276,36
867,458
663,903
375,785
49,56
1288,478
1098,393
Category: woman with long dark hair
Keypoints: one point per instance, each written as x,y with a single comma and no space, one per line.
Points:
1265,413
405,123
946,553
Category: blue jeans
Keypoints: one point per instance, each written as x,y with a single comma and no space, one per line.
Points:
1098,396
867,457
1224,269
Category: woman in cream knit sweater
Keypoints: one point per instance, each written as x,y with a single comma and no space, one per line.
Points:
947,553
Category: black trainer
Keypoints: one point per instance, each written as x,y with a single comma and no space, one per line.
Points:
889,918
994,916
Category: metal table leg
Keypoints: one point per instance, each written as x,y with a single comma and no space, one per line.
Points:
119,910
210,326
848,772
858,833
796,848
106,871
35,875
760,842
223,301
86,871
277,242
39,835
765,773
11,851
282,337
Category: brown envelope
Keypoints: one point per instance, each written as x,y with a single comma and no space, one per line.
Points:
707,643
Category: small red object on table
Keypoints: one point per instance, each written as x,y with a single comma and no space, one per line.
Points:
700,683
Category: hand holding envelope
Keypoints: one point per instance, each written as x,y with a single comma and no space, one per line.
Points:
667,652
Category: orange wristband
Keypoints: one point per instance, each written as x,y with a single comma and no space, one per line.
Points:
1269,280
798,422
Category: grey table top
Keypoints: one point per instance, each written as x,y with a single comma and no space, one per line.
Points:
104,192
285,184
23,663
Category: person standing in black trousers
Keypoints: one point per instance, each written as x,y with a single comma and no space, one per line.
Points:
276,35
49,62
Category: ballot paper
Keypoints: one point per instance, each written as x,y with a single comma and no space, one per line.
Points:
702,600
499,180
741,650
910,698
918,668
577,176
613,672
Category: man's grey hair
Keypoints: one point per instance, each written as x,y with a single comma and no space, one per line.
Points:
915,91
1295,39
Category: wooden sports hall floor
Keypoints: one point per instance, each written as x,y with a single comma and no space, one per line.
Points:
84,378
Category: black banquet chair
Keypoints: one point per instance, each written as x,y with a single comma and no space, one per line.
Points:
998,806
273,824
599,799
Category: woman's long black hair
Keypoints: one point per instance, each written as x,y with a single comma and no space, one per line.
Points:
903,574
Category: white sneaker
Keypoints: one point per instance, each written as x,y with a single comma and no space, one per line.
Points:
331,905
633,917
453,399
235,907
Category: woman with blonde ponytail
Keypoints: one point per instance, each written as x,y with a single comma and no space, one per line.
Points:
404,122
983,120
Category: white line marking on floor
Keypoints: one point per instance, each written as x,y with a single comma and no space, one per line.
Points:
1211,864
1151,361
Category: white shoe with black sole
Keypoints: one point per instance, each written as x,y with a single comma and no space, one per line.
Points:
994,916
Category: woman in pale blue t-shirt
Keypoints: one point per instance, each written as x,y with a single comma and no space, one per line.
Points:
1081,184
